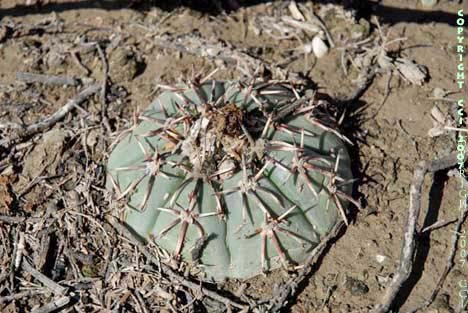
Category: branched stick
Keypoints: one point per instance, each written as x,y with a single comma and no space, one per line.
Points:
168,271
408,248
57,116
63,111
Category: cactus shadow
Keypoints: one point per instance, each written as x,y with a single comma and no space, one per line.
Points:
366,8
305,282
352,127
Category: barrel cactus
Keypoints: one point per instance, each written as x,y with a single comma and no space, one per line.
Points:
236,177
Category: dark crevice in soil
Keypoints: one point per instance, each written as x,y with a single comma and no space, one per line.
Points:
305,283
387,14
423,240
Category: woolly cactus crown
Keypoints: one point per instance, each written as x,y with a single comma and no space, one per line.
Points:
235,177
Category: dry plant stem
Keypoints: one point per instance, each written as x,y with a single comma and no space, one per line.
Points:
19,295
300,25
53,306
406,258
105,69
286,290
438,225
57,116
46,281
3,276
105,81
46,79
167,270
60,114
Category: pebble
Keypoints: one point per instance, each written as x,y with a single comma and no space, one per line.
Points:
439,93
380,258
319,47
46,155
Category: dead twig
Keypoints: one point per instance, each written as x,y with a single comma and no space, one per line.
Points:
19,295
57,116
105,81
408,248
60,114
46,281
53,306
105,69
437,225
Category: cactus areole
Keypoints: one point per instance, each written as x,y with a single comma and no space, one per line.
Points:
236,178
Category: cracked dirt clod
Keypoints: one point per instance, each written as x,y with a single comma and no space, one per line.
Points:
123,64
6,197
46,155
356,286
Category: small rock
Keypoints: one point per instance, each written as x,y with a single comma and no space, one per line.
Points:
46,155
380,258
356,287
6,196
413,72
54,59
439,93
227,165
93,138
319,47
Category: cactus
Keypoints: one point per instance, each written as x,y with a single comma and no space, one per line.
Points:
236,177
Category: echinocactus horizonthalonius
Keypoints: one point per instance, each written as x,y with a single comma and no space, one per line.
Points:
237,177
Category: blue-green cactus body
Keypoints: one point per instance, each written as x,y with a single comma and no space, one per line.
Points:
239,228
